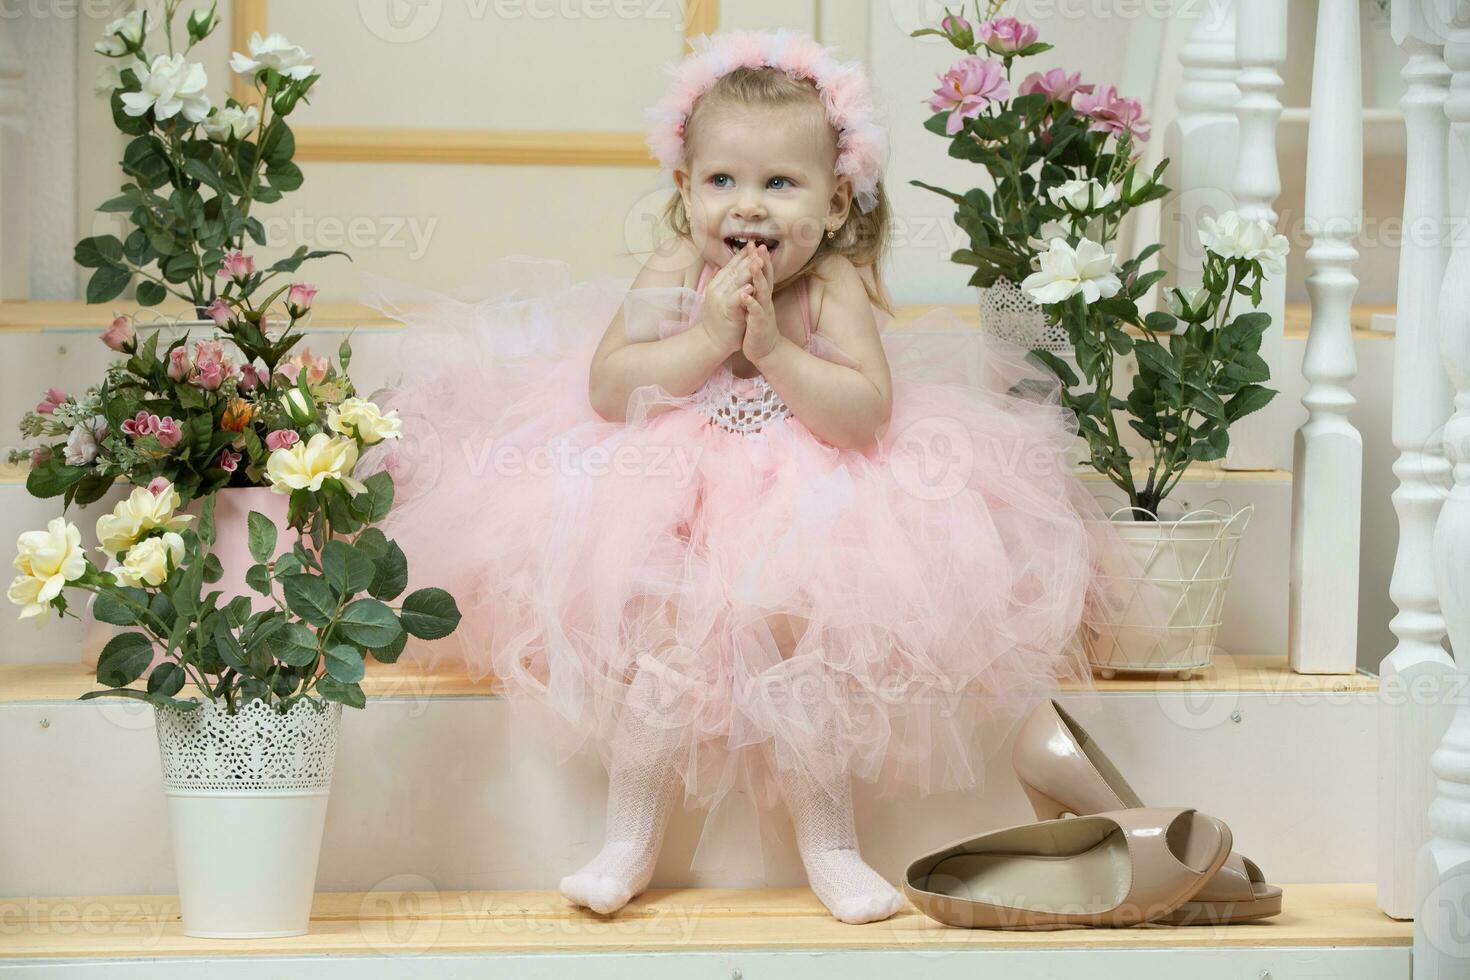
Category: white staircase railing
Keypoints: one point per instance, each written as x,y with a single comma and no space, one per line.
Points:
1328,458
1413,676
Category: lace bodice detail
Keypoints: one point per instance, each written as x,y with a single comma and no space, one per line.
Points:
747,405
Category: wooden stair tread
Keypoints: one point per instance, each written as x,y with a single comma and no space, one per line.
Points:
663,920
1246,673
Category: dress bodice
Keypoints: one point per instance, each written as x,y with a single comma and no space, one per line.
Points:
748,405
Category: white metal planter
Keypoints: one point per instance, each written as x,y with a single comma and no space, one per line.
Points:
247,799
1170,580
1011,315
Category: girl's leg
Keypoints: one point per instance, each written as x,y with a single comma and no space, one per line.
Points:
641,794
826,837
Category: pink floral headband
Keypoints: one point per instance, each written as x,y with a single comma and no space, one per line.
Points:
861,141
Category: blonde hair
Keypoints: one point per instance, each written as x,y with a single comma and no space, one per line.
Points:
862,239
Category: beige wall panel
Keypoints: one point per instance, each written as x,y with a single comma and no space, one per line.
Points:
484,64
436,225
769,14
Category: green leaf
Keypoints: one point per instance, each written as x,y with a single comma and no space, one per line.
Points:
111,607
374,503
369,623
52,478
294,644
390,653
1249,399
107,284
309,597
150,293
430,614
98,252
348,694
262,536
391,575
205,527
258,577
124,659
344,663
228,646
347,569
166,679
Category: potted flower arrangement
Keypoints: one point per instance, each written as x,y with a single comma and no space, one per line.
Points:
250,759
194,169
1043,141
1066,179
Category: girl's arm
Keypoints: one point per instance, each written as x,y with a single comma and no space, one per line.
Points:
845,406
679,363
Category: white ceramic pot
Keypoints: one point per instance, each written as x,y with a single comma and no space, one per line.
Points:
247,802
1011,315
1167,586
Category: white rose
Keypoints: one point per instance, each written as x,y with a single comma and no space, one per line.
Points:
171,86
230,122
47,560
1067,271
305,465
136,516
1083,196
120,34
1185,303
81,445
147,561
273,52
366,419
1232,237
109,77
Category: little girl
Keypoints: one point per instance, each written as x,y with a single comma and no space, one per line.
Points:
746,540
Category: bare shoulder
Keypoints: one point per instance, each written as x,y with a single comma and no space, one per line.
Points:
839,298
675,262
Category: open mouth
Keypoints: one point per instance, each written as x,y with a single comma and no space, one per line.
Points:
736,242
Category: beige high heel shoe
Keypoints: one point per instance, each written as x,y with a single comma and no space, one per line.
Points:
1062,770
1107,869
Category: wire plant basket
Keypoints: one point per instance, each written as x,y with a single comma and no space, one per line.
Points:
1011,315
1167,585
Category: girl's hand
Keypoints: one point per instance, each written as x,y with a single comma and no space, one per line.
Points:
761,335
724,310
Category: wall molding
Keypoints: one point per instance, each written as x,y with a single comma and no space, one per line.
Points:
365,144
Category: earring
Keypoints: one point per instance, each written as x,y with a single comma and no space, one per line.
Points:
831,234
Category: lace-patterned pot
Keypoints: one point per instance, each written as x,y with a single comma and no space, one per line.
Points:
247,799
1013,316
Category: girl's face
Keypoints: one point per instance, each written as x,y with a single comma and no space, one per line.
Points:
763,175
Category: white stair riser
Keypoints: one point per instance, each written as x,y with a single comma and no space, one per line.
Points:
448,792
1255,609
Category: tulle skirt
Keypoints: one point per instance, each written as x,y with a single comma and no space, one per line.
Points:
859,613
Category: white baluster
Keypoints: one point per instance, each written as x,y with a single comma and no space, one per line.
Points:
1412,719
1259,441
1442,930
1201,142
1328,459
15,192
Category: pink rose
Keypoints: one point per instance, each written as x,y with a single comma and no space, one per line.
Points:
178,363
1111,113
211,367
1007,35
169,434
237,266
158,485
228,461
316,367
299,297
39,456
143,424
281,439
969,86
250,377
221,312
119,335
961,33
288,370
54,398
1056,85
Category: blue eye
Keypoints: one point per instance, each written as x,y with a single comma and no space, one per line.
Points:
717,178
786,179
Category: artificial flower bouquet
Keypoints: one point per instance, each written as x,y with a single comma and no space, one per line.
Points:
329,606
1060,153
195,169
202,415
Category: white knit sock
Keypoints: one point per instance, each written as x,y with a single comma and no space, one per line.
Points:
826,837
641,792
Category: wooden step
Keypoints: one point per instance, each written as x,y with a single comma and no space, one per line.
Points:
1323,917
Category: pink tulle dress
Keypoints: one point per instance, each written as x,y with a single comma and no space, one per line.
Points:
866,613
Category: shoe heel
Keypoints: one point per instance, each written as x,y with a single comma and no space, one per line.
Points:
1046,808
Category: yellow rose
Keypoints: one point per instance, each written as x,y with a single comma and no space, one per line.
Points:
47,560
134,517
366,419
305,465
147,561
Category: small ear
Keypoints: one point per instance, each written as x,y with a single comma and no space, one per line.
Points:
681,182
840,202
